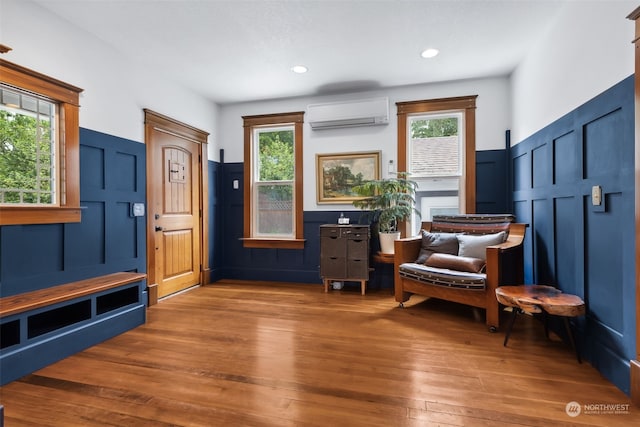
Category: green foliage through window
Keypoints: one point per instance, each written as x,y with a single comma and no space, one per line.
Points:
26,154
276,160
429,128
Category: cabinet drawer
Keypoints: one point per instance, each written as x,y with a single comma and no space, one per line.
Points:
358,269
333,267
357,249
357,232
333,247
330,231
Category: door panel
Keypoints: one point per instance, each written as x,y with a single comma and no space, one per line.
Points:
175,212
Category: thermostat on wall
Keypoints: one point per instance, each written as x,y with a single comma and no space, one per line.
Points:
137,209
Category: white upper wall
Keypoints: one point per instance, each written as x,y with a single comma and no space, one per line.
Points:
492,119
115,88
587,50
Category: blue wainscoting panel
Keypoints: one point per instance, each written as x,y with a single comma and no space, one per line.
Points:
603,150
216,248
30,254
565,159
568,249
582,248
521,169
541,169
491,182
542,232
81,248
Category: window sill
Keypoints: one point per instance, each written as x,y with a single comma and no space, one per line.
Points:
273,243
23,215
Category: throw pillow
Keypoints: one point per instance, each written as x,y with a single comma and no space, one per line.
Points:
455,262
476,246
437,242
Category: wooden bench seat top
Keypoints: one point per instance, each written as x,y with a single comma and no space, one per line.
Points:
43,297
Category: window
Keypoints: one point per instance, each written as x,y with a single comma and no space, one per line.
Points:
28,149
273,181
436,145
39,139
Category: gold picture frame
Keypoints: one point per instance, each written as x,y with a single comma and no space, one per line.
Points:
337,174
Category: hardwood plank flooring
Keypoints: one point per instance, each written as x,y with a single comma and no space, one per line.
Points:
290,355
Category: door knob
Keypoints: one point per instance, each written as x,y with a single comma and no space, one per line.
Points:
158,228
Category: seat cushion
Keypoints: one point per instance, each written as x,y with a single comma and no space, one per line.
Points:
443,277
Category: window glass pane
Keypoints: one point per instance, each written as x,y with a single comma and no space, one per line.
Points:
435,163
274,213
27,149
435,146
275,154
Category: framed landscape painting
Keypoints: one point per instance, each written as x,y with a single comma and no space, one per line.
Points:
337,174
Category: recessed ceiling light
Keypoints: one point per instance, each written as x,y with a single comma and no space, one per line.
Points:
429,53
300,69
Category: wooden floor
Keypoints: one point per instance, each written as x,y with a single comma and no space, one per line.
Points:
285,355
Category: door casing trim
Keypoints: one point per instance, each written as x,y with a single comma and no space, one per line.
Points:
158,122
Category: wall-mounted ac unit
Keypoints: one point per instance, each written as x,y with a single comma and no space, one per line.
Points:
364,112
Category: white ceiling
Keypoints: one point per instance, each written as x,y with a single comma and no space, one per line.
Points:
234,51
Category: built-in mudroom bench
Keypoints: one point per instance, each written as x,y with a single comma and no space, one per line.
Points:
43,326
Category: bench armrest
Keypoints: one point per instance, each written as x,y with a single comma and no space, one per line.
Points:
407,249
505,264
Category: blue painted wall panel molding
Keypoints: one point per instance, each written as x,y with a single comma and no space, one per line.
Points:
108,239
491,182
215,220
585,249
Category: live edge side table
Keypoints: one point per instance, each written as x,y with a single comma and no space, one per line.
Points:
541,299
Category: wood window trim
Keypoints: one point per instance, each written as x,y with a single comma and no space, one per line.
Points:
249,122
467,104
67,97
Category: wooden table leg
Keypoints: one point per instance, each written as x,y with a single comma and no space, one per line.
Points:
572,340
514,313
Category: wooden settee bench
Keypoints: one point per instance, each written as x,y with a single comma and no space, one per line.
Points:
504,263
42,326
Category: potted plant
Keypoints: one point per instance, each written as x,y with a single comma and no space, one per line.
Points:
389,202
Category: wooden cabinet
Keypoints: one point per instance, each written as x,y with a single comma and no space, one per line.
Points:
344,254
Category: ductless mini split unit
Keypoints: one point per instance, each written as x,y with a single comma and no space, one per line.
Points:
364,112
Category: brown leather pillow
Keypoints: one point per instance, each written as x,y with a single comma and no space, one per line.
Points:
455,262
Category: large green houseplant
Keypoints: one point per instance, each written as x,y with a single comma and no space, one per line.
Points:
388,201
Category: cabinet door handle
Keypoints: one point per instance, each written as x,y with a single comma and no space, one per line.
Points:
158,228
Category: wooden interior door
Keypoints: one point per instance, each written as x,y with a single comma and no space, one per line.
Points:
174,192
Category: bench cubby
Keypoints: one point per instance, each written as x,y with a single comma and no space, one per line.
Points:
41,327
